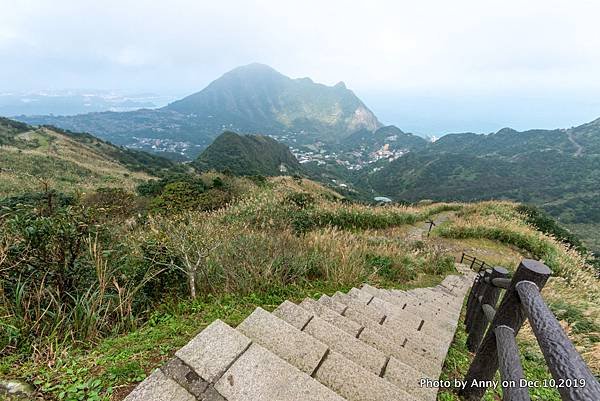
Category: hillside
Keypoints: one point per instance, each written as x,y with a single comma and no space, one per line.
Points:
34,158
389,135
249,99
248,155
288,238
558,170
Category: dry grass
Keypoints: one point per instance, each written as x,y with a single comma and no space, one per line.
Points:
573,293
61,163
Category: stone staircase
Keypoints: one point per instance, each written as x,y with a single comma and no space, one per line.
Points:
368,344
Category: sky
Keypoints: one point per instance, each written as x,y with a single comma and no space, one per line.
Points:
429,67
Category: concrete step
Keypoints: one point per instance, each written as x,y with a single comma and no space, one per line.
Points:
211,352
158,387
331,316
367,345
364,309
332,369
284,340
418,343
438,330
376,313
259,375
337,339
430,306
451,304
414,306
356,384
377,337
392,310
220,364
409,379
434,299
442,297
397,296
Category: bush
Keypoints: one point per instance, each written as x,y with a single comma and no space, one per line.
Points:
301,200
177,197
113,203
156,187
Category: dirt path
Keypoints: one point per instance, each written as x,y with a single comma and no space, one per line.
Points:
418,232
579,150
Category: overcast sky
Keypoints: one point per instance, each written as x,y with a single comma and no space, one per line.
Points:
427,66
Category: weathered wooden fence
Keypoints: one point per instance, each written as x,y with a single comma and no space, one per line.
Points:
492,330
474,263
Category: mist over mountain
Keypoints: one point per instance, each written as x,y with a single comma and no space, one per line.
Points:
250,99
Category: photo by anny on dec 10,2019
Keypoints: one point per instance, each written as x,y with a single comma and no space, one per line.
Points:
299,201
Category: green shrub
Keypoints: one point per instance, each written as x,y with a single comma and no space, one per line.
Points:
176,197
113,203
156,187
301,200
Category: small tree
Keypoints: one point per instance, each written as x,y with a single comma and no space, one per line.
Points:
189,238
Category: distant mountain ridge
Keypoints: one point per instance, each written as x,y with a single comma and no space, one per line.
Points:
558,170
249,99
248,155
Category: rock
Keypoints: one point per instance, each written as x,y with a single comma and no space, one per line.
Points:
16,389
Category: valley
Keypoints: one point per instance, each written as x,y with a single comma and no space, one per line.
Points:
337,140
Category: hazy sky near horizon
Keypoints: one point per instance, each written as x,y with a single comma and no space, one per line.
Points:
427,66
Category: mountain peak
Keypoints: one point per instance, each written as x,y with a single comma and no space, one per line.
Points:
256,98
506,130
254,68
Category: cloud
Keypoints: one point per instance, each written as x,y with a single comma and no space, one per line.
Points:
429,46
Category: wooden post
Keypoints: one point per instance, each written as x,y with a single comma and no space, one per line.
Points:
574,379
489,295
472,301
510,364
471,298
485,363
475,304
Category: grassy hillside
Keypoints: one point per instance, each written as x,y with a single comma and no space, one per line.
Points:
32,159
248,155
558,170
120,302
110,259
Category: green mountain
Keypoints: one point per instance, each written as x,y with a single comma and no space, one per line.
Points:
390,135
34,158
248,155
249,99
558,170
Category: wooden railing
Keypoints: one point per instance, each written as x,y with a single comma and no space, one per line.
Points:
496,347
474,263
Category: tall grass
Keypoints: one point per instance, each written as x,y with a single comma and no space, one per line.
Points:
38,314
123,271
501,221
